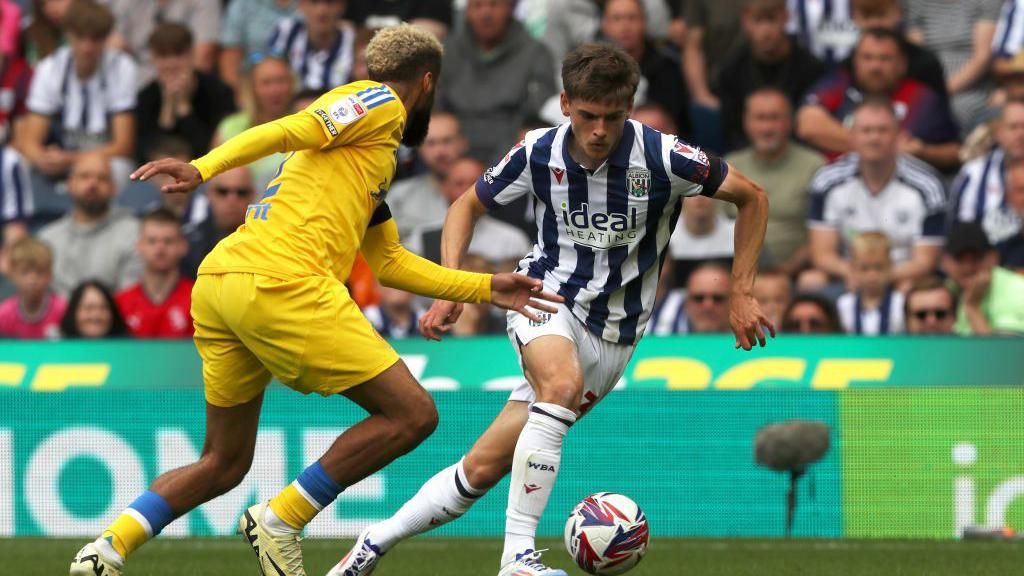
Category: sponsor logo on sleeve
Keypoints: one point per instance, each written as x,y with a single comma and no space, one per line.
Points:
327,121
348,110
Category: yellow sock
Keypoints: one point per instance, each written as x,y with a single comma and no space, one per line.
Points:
126,534
293,508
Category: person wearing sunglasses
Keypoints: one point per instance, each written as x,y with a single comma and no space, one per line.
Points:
930,307
229,195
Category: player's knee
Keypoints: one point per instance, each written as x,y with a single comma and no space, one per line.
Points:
563,392
226,471
423,422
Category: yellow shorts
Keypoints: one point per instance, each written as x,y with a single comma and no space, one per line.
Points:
308,333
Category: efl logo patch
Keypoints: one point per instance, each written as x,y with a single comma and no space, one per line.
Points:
521,144
639,180
327,121
348,110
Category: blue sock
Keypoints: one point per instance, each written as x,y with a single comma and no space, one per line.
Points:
315,481
154,509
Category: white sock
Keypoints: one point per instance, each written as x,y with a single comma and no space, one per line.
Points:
442,499
534,470
275,525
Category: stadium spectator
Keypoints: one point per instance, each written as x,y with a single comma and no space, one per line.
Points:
784,168
1008,39
873,308
96,239
569,23
182,101
137,19
655,117
44,33
92,313
768,57
930,307
1011,249
397,315
702,307
624,23
245,35
159,306
922,64
15,75
16,202
981,189
229,195
267,96
498,243
418,201
960,33
704,234
434,15
84,93
142,197
35,311
811,314
773,291
318,45
991,298
713,31
876,188
879,70
494,77
825,27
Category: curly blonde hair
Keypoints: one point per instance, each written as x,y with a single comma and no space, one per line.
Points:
402,53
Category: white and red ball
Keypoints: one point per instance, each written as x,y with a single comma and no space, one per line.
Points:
607,534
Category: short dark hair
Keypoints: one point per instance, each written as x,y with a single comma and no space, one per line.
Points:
170,39
927,284
879,33
600,73
161,215
878,102
89,19
69,325
826,306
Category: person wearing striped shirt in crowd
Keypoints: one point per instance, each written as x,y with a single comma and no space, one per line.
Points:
16,202
1008,40
979,192
319,46
875,188
608,193
85,93
874,308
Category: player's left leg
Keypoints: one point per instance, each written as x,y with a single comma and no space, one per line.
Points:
401,416
227,455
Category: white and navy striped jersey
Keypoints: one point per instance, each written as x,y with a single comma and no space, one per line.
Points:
317,70
979,195
824,27
1009,36
910,210
82,108
16,204
882,321
603,235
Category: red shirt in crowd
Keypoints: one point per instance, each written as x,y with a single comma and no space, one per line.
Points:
171,318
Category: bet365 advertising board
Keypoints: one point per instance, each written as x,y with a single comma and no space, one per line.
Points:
927,436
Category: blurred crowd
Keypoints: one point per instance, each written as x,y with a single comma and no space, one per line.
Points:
889,135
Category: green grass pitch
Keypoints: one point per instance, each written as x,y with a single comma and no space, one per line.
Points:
454,557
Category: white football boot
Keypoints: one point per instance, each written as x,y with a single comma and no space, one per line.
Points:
96,559
360,560
278,554
528,564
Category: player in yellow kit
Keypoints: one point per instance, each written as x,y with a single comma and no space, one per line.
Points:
270,300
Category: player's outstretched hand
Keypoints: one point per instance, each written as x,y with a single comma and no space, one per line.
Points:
186,176
513,291
439,319
747,320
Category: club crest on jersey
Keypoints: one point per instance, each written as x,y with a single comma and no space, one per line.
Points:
639,180
521,144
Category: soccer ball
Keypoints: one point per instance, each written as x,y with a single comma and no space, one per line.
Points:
607,534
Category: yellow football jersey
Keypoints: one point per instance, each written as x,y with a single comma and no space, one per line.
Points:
313,216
